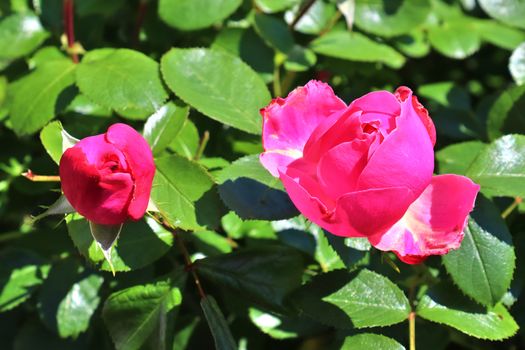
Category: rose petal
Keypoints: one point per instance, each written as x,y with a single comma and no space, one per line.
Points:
101,199
356,214
434,223
404,159
402,93
140,160
288,123
380,106
340,167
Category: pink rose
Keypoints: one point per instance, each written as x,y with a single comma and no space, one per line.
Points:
107,178
365,170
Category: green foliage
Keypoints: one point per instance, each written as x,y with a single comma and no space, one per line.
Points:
222,258
345,300
185,193
216,85
483,266
124,80
499,167
134,313
369,341
252,193
195,14
218,326
356,47
38,97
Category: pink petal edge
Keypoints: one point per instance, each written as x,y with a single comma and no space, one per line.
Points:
434,223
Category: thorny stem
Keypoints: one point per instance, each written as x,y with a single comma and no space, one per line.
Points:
511,207
40,178
187,260
412,330
189,264
301,13
69,27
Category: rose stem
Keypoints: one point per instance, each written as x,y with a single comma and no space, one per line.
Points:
40,178
185,254
277,81
141,14
202,145
412,330
511,207
69,28
301,13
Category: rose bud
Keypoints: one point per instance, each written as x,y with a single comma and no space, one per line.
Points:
365,170
107,178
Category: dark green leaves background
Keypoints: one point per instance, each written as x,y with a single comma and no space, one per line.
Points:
191,75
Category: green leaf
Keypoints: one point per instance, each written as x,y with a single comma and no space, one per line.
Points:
20,34
265,274
500,168
499,34
210,243
456,39
186,143
508,11
390,18
56,140
271,6
249,190
20,274
80,303
132,314
506,114
274,32
314,20
140,244
35,99
44,55
125,80
68,298
195,14
246,44
356,47
447,94
215,83
218,325
164,125
370,341
352,300
517,64
457,158
495,324
484,264
413,44
281,326
300,59
185,193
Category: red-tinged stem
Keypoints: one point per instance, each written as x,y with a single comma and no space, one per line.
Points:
141,14
40,178
69,27
187,260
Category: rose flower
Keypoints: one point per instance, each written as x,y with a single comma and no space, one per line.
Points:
107,178
365,170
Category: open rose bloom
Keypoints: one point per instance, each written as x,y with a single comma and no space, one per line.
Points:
366,169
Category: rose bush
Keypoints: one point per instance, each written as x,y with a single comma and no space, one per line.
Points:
365,170
107,178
